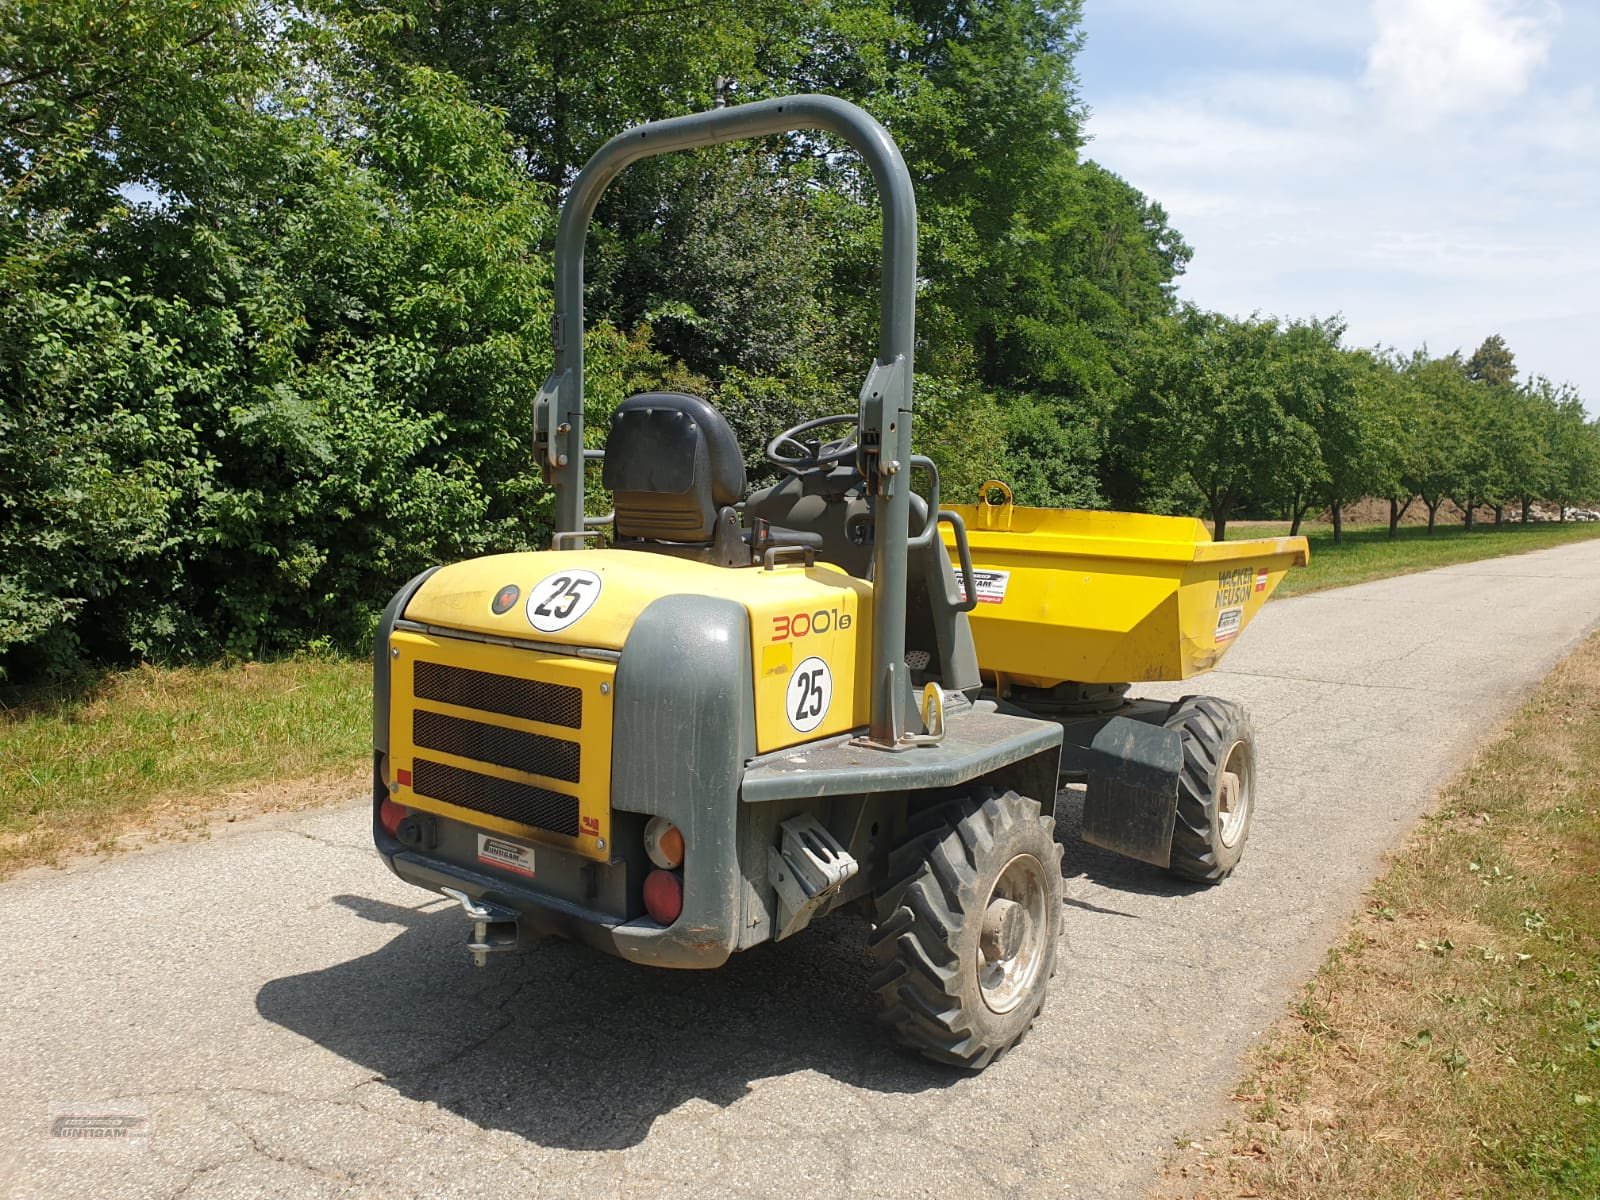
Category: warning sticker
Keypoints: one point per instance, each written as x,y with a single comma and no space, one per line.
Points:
510,856
1228,622
991,585
1261,579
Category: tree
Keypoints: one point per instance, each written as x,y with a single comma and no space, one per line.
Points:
1321,389
1517,425
1574,448
1493,363
1035,265
1431,469
269,336
1209,401
1051,453
1357,430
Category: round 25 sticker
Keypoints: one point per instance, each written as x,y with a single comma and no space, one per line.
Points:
810,692
559,600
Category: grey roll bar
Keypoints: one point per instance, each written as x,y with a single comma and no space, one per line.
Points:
884,424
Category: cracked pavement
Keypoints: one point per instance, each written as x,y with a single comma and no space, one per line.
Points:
296,1021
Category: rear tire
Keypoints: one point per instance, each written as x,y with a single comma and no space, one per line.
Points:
967,928
1216,788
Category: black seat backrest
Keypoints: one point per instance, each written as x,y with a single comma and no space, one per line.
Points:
672,462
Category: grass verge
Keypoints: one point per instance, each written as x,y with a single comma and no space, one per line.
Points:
1367,553
158,752
1450,1045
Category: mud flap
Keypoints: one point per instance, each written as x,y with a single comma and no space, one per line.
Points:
1132,770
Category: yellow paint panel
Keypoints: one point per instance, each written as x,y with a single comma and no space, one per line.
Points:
801,618
593,738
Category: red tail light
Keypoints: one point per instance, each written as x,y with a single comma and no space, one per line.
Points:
390,815
663,896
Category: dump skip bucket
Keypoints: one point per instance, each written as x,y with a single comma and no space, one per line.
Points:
1104,597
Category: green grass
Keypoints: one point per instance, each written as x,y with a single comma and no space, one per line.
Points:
164,749
1367,553
1450,1045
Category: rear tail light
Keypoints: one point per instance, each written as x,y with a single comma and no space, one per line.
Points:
663,896
390,815
663,842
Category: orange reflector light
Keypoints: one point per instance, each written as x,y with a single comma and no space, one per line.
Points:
663,896
390,815
663,842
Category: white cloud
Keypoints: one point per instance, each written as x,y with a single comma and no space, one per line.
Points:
1433,59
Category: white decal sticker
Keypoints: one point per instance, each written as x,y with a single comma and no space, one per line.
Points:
508,855
1228,622
810,693
559,600
991,585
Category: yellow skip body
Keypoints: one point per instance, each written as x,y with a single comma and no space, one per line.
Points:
1106,597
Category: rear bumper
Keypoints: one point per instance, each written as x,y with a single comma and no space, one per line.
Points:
698,940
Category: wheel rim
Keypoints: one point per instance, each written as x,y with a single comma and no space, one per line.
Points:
1233,794
1011,949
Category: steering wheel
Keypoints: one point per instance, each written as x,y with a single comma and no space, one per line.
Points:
816,455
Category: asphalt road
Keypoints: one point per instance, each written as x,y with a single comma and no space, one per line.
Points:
296,1022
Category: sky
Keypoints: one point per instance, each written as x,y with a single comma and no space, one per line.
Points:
1427,169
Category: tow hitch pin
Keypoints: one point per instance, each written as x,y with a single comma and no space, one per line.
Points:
481,917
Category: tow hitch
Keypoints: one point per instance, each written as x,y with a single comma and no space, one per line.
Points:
493,928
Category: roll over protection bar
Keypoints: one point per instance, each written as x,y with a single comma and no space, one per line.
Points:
884,424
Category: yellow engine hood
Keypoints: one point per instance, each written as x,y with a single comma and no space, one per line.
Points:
801,619
587,597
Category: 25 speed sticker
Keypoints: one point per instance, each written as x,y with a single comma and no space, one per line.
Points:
559,600
809,694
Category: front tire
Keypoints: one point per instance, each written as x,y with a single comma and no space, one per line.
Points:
967,929
1216,788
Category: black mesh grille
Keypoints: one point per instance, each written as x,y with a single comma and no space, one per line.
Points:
519,802
530,699
492,743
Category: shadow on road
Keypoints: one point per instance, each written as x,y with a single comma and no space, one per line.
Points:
573,1049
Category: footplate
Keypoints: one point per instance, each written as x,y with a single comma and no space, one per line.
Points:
806,872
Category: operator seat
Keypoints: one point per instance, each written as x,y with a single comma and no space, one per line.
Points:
674,470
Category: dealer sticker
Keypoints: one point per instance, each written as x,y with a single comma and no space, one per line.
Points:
991,585
1228,622
507,855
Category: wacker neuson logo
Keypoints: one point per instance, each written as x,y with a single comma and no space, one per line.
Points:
104,1125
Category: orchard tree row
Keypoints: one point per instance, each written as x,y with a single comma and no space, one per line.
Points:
1278,418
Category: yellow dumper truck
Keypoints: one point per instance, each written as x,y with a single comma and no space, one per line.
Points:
749,709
